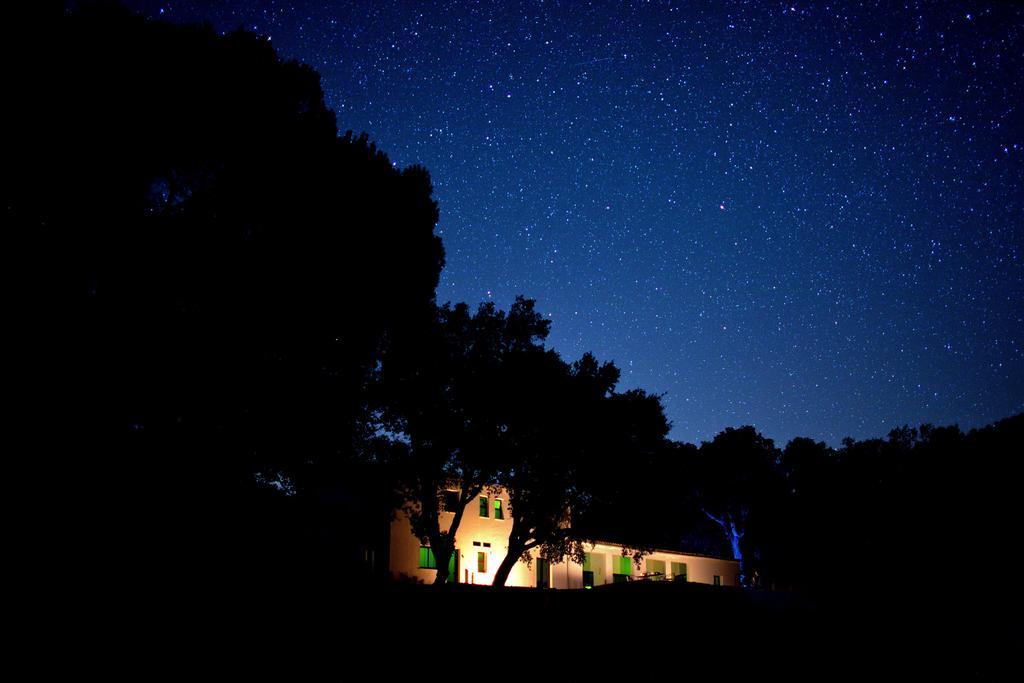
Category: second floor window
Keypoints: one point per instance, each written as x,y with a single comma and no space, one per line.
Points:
499,513
483,506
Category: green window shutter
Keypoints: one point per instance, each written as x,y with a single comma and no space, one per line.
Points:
481,562
588,563
483,506
679,571
625,565
498,512
451,564
427,559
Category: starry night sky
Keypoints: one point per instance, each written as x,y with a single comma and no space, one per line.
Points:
806,217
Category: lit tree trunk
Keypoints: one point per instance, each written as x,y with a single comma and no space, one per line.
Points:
734,536
442,549
505,568
426,523
444,542
517,546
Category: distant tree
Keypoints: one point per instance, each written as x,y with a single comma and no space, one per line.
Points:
738,473
804,463
442,392
789,531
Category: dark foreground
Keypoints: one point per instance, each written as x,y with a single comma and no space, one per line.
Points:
395,631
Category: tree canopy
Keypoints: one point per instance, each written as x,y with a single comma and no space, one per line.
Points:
207,267
554,412
443,395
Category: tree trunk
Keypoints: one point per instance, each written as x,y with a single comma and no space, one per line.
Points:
737,553
505,568
734,535
446,542
442,555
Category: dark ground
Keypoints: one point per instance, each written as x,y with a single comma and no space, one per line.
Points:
640,630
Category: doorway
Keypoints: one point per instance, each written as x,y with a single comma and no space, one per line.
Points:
543,573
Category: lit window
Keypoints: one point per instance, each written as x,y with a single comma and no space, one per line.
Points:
498,512
483,506
544,573
427,559
622,568
718,580
679,571
481,562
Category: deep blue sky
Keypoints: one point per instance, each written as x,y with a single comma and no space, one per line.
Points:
805,217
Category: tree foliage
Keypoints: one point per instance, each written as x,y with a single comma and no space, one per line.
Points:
442,395
207,267
553,411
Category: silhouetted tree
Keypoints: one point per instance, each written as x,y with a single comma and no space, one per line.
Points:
738,474
787,533
553,413
207,272
632,476
441,393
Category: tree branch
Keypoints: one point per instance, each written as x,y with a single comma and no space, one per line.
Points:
714,519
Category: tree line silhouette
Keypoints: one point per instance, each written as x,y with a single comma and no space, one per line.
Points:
235,360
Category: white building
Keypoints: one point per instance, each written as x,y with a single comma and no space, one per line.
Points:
481,544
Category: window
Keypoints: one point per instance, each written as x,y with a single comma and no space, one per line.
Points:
588,569
498,512
679,571
427,559
622,568
544,573
483,506
481,562
718,580
655,570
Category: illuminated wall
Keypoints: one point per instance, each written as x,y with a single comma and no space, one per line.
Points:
482,543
